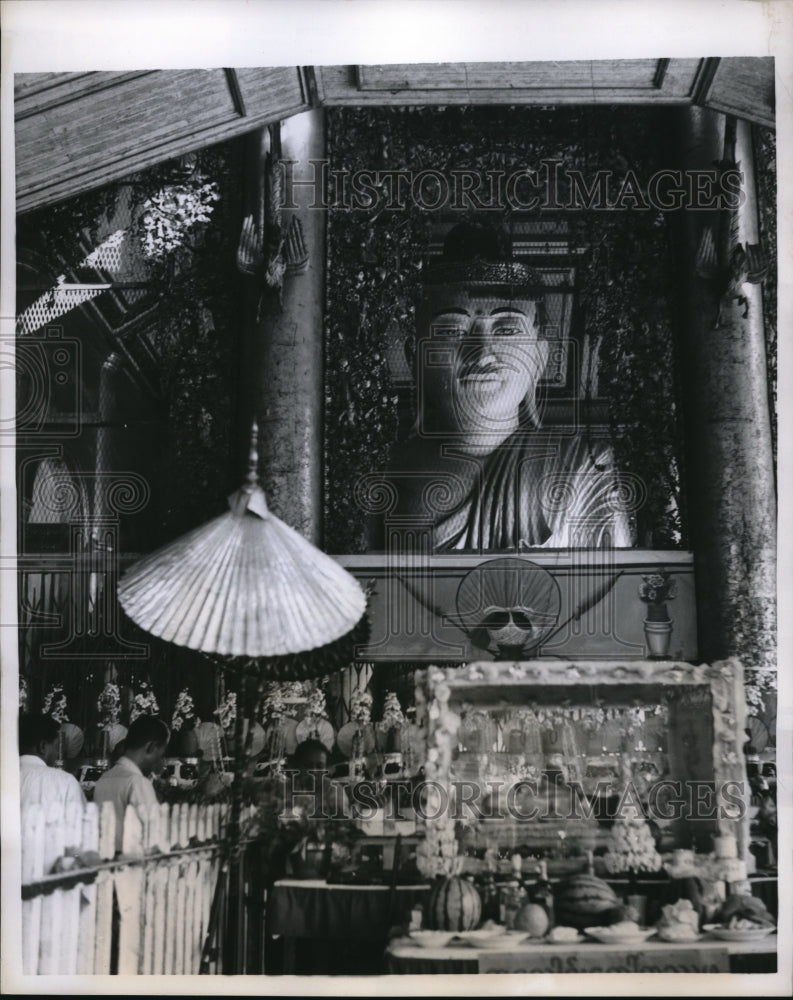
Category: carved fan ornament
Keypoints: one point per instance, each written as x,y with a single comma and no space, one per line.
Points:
508,606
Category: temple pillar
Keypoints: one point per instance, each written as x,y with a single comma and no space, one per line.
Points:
728,426
288,376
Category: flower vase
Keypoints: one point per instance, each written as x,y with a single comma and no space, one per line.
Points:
658,635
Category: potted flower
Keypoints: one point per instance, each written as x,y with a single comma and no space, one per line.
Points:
390,728
655,590
183,724
361,716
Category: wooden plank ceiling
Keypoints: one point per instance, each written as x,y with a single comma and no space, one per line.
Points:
78,131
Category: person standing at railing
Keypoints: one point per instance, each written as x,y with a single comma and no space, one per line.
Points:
41,782
128,782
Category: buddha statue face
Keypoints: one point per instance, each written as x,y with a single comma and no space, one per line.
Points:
479,358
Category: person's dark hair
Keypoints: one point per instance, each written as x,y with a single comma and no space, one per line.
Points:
146,729
36,729
304,751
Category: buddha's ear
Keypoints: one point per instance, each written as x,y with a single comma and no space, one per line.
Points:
544,352
529,405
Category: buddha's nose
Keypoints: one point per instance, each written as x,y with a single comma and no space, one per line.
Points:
477,351
479,340
480,328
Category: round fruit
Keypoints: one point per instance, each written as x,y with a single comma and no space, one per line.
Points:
586,901
454,905
532,918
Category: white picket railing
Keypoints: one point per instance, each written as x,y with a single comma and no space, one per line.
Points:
164,883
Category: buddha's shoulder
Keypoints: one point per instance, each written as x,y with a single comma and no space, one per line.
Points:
572,450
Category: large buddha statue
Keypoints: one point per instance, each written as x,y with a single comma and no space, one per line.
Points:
478,471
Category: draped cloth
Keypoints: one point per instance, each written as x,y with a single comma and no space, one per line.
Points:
534,490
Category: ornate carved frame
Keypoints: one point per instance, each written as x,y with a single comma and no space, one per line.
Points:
437,686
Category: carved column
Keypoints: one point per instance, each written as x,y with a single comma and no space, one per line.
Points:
288,380
728,427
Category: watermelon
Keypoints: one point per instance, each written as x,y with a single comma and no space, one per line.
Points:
586,901
454,905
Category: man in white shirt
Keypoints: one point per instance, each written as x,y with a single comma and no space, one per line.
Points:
128,781
39,781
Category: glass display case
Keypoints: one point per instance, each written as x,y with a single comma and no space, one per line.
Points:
542,758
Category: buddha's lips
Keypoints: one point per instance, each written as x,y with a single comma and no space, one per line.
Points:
488,373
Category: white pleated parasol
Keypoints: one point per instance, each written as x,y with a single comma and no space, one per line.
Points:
243,585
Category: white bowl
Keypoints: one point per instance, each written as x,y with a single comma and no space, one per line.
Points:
739,934
431,939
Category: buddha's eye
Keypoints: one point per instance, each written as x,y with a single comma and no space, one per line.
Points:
510,326
455,331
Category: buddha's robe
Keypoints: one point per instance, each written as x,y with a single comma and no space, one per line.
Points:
534,490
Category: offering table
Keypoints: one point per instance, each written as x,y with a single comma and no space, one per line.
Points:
537,957
336,924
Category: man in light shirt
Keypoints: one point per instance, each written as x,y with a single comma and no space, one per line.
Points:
39,781
128,782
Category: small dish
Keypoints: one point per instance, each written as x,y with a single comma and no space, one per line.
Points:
609,936
431,939
739,933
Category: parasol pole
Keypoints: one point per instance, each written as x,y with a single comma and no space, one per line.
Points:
233,958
